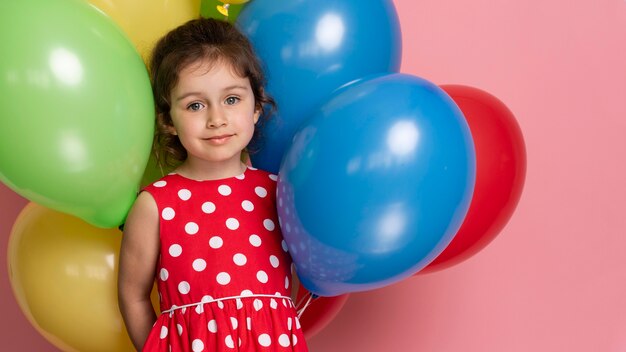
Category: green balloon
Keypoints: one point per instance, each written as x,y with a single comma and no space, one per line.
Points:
76,109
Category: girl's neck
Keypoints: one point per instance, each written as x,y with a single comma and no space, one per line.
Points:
203,170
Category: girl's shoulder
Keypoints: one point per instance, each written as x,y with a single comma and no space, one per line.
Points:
261,175
162,183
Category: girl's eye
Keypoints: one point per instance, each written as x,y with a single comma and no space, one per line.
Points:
231,100
195,106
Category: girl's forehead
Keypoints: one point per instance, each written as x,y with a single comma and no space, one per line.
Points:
216,73
203,66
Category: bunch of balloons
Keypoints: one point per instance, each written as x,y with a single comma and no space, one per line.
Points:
382,175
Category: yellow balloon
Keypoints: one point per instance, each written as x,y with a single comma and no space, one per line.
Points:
145,21
63,272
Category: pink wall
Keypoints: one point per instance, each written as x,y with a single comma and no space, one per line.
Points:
555,278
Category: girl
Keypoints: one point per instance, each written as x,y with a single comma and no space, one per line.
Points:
209,231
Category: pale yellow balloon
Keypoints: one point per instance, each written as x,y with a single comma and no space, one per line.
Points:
145,21
63,272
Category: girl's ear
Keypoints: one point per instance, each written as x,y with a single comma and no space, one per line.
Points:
171,129
257,113
167,125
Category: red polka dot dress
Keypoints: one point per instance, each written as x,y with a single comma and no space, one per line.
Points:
224,273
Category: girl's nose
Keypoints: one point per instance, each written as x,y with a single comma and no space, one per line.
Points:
216,118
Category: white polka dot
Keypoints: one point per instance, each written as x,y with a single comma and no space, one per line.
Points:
200,309
216,242
247,205
199,264
197,345
240,177
286,282
179,328
220,304
229,342
289,323
265,340
224,190
184,194
262,276
274,261
283,340
208,207
212,326
191,228
183,287
163,332
249,323
168,213
294,338
175,250
246,293
298,326
255,240
206,299
223,278
273,303
269,224
234,322
273,177
261,192
258,305
164,274
232,223
284,245
160,184
240,259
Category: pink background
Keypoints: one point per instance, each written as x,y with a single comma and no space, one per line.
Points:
555,278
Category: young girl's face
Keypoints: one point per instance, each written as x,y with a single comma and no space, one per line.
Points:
213,112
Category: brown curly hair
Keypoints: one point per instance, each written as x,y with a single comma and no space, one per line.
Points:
200,39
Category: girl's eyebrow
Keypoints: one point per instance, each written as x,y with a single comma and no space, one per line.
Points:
233,87
187,95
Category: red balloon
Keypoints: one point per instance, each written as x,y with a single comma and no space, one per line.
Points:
500,173
319,312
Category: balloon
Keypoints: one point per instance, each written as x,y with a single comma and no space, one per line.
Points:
319,312
215,8
63,273
76,109
310,48
500,173
375,184
145,21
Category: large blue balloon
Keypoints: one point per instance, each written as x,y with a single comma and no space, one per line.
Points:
310,48
375,184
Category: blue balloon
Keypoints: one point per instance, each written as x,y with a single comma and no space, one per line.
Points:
375,184
309,49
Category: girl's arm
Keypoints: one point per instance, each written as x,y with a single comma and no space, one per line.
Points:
138,259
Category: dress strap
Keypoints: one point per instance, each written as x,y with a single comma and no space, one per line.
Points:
213,300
